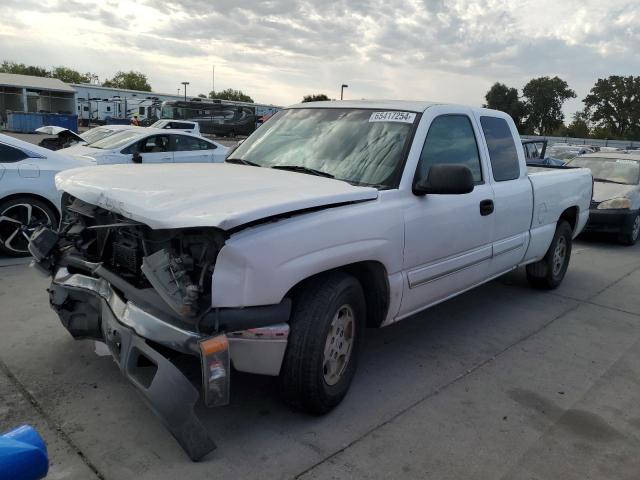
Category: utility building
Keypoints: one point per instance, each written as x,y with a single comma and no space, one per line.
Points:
25,93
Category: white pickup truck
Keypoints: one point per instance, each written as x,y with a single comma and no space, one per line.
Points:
330,218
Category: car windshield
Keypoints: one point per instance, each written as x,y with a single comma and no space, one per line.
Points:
616,170
160,124
360,146
95,134
116,140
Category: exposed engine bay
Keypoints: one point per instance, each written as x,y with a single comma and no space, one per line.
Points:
178,264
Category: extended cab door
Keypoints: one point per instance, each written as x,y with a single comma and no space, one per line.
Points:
513,194
447,237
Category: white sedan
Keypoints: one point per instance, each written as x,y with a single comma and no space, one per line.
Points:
150,145
28,196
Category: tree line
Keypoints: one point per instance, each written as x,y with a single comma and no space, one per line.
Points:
612,107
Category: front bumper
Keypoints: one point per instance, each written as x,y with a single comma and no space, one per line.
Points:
610,221
90,307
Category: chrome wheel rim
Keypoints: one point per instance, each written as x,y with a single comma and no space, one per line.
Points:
559,255
17,222
339,344
636,228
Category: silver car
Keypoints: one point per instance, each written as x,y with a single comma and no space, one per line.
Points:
616,193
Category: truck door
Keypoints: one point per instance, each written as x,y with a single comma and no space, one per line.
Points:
447,237
512,190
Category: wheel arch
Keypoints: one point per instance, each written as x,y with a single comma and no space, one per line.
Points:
570,215
34,196
373,278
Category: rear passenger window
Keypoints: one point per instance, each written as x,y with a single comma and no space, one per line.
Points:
184,143
450,140
10,155
502,149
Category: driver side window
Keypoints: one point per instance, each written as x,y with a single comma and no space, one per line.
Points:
450,140
153,144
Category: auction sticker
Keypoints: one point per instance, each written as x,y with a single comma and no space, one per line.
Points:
402,117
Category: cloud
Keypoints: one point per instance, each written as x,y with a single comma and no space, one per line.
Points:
279,50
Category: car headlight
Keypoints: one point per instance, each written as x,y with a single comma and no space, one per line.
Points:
615,203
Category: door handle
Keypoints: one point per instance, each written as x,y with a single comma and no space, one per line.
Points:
486,207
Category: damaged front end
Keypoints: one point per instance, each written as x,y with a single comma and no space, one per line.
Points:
147,294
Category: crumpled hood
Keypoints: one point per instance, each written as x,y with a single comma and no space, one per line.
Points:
204,195
606,191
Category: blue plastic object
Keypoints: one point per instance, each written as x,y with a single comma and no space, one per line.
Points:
27,122
23,455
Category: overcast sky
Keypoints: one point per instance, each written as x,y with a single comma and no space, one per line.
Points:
278,51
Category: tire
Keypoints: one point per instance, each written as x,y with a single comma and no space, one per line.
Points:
549,272
630,237
331,306
14,214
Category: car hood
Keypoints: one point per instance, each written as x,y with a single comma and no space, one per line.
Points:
80,151
204,195
605,191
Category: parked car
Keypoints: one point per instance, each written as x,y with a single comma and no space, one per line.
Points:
28,195
331,217
534,150
616,193
150,145
181,125
565,152
66,138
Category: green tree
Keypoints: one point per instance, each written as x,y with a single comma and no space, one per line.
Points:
231,94
129,80
613,105
68,75
500,97
316,97
544,97
22,69
579,127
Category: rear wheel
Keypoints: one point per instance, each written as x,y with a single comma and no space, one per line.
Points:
630,237
18,218
326,329
549,272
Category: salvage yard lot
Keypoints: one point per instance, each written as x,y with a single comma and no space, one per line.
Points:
501,382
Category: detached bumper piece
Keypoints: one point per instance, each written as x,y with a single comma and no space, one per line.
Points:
90,308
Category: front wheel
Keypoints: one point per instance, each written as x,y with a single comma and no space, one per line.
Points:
326,329
19,217
549,272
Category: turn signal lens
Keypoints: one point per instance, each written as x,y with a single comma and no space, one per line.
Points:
216,366
615,203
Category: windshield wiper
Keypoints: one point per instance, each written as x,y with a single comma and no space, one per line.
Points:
605,180
241,161
301,169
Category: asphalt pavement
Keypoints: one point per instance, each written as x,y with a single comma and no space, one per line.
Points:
503,382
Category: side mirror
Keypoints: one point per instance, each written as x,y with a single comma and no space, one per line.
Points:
136,158
445,180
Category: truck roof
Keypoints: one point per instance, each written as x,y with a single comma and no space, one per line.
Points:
402,105
405,105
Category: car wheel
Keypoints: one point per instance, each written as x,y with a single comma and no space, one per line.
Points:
630,237
327,325
549,272
18,218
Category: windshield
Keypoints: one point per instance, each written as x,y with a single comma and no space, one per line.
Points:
95,134
116,140
160,124
617,170
365,147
